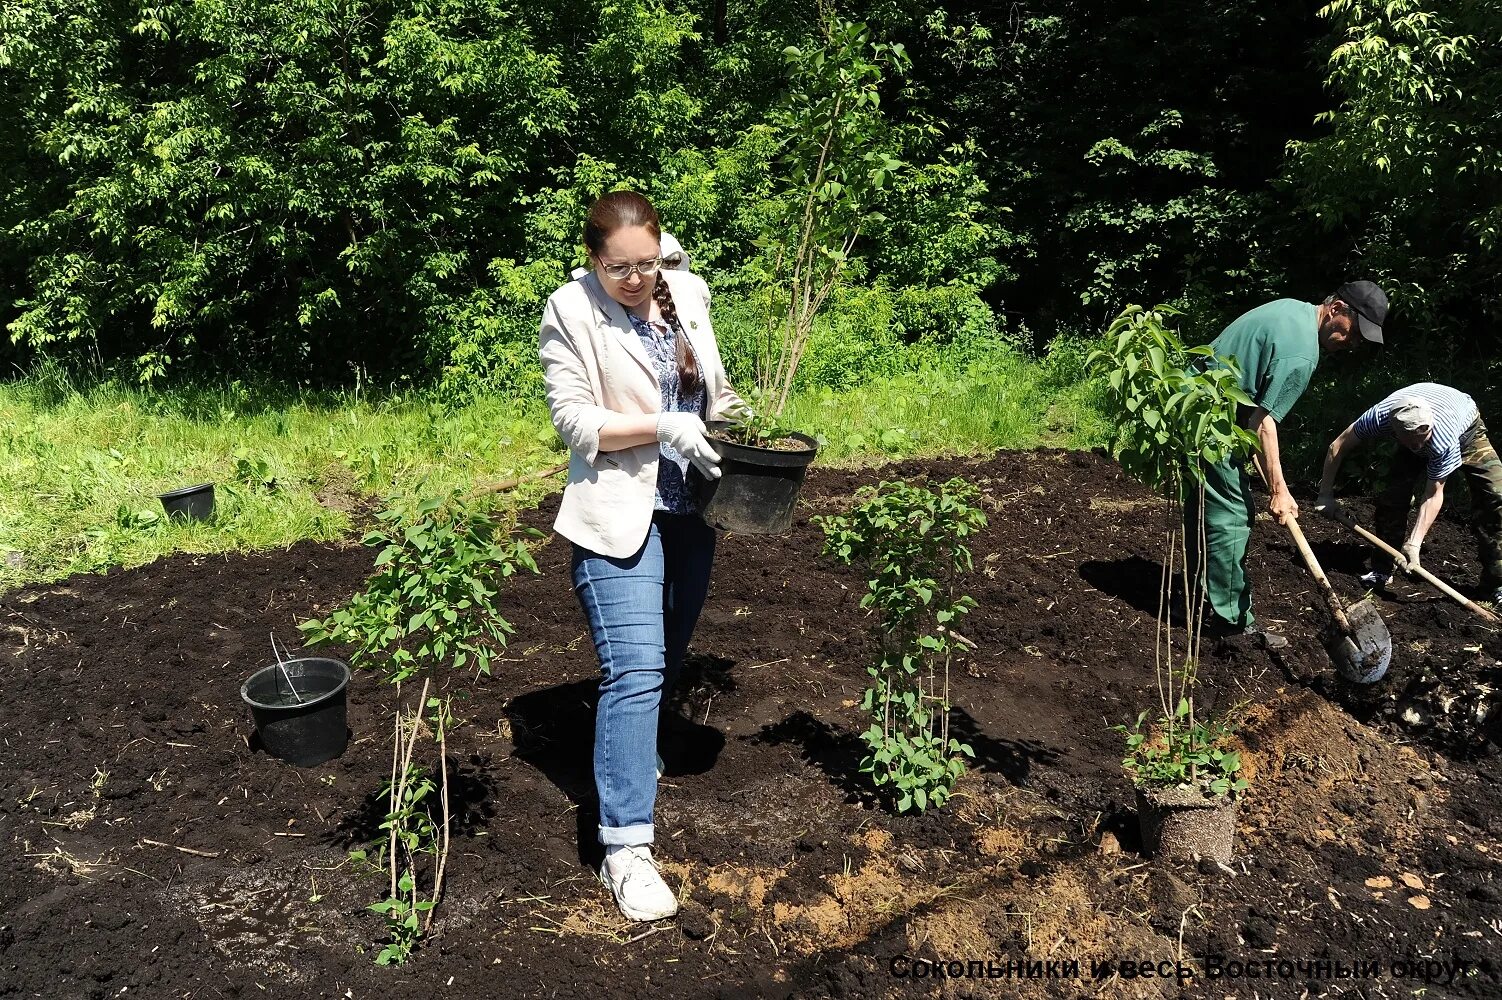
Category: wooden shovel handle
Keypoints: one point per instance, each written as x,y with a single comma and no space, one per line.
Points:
511,484
1319,574
1421,572
1292,524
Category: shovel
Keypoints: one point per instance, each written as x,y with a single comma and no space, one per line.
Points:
1364,650
1418,571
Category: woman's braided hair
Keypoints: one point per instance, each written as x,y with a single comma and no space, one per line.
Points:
690,379
624,209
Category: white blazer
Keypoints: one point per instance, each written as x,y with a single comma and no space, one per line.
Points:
595,366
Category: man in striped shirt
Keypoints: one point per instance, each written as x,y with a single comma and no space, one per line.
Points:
1438,430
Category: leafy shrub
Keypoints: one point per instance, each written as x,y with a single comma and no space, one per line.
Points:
432,602
912,540
1418,84
1176,408
269,183
488,343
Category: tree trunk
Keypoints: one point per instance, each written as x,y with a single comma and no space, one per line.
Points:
717,17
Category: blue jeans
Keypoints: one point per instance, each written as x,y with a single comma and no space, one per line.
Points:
641,611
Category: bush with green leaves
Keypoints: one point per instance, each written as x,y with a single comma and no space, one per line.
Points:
196,185
279,184
432,607
912,540
1410,163
1176,409
1189,753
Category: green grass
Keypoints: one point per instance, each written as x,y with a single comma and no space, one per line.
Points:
80,470
1004,405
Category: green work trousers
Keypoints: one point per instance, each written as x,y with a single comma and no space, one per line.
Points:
1483,472
1229,512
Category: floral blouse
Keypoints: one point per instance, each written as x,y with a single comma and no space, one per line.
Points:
658,338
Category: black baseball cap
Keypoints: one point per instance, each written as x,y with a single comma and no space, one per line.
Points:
1369,302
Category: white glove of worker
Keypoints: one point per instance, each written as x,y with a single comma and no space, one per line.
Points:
1328,505
1411,556
684,433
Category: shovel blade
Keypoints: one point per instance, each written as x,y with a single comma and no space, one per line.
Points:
1364,655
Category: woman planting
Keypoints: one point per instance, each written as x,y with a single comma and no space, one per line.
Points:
632,373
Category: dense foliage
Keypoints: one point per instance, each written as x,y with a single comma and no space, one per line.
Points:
1412,162
317,188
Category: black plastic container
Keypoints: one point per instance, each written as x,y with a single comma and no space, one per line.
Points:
757,488
303,733
191,503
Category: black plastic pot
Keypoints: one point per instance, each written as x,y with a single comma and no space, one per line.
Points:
303,733
191,503
757,488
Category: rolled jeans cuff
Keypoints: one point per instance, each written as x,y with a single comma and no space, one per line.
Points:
627,836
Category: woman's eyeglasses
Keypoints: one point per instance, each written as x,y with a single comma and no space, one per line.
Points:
646,268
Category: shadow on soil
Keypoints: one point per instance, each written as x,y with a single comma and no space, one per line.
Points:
1134,580
473,793
838,752
553,730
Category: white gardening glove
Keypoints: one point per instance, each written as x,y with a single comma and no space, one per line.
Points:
1328,505
1411,556
684,433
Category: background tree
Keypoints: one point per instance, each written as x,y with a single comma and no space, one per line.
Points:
332,186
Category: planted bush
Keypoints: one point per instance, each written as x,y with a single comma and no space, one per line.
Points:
1175,408
912,540
432,605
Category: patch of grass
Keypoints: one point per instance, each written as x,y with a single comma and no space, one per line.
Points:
1004,404
80,470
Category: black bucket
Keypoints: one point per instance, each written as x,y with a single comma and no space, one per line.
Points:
191,503
757,488
303,733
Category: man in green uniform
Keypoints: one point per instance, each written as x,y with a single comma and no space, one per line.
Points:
1278,347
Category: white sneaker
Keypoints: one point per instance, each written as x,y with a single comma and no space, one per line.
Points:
1497,597
639,890
1375,579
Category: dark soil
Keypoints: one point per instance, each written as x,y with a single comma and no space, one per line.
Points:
149,848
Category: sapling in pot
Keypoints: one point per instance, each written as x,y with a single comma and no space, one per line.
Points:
1176,411
835,174
431,607
912,541
762,467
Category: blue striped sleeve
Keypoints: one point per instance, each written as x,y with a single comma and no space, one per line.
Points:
1443,463
1374,421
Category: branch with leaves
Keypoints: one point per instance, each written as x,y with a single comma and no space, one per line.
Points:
837,173
1176,409
433,603
912,541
